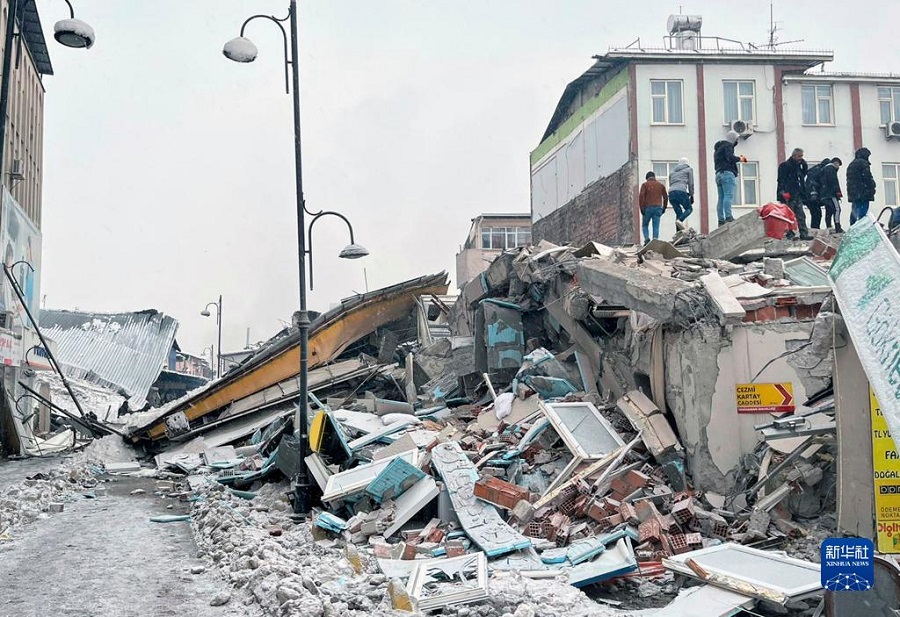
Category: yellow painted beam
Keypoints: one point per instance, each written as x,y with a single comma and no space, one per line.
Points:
325,344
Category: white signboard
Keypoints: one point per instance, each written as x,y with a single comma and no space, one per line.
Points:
20,243
10,349
865,276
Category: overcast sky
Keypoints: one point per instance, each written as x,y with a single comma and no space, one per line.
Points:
169,170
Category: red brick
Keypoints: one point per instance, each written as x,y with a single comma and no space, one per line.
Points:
500,493
766,314
649,531
646,509
454,548
782,312
683,511
629,514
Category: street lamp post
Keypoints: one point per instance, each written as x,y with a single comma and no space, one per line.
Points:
205,312
241,49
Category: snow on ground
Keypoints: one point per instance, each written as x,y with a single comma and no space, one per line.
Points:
289,574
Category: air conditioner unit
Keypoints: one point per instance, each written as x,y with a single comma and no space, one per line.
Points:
892,129
742,128
17,170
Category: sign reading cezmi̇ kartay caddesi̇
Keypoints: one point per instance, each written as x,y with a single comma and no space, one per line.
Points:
764,397
886,469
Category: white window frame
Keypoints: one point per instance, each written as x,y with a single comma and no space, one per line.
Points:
816,93
750,121
665,97
895,112
739,191
519,232
893,182
664,179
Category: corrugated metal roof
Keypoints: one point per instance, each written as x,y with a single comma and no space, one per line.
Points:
121,351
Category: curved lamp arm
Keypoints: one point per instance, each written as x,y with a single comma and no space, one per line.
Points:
12,268
71,10
309,245
287,59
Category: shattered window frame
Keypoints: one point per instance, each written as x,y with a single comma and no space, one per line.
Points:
890,182
671,97
812,97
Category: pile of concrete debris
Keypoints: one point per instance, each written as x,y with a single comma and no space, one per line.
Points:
584,415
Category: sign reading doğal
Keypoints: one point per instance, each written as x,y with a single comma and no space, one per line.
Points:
865,276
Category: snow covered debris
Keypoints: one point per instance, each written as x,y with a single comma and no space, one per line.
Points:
240,49
95,399
292,575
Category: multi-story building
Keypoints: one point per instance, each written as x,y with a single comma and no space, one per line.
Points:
642,108
490,235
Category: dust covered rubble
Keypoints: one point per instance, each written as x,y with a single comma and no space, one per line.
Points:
289,574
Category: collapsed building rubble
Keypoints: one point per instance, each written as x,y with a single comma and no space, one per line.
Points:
575,415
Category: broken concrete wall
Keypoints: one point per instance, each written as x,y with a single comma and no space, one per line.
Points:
703,366
603,212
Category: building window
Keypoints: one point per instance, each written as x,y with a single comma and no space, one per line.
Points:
889,102
890,172
740,101
817,102
663,169
746,187
667,101
503,238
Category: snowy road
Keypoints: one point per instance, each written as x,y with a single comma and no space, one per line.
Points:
104,558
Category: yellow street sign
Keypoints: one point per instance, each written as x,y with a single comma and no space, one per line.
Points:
886,469
764,397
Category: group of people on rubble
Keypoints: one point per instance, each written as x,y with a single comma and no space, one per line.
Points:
817,188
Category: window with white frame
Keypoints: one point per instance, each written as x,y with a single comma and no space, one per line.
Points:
890,172
739,100
889,102
503,238
818,105
662,170
746,186
667,100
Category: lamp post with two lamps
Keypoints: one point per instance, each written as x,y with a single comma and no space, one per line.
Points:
205,312
241,49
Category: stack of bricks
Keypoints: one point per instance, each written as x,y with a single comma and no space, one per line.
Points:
500,493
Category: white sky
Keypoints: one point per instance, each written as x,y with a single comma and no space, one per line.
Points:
169,170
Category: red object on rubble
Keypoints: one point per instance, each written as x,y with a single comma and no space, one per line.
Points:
779,219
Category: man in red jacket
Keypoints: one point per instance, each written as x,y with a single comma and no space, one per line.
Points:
652,200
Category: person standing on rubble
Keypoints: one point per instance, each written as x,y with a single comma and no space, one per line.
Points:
814,201
792,187
681,192
860,185
652,201
725,162
830,195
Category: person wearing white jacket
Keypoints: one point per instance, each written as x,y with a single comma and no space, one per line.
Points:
681,192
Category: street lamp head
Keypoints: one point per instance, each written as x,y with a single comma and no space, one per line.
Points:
240,49
74,33
205,313
353,251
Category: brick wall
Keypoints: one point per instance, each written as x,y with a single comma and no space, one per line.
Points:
603,212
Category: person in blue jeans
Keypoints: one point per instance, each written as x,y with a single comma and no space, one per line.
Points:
725,162
652,201
681,192
860,185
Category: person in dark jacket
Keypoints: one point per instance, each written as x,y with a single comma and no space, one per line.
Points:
652,201
830,194
792,187
725,162
860,185
813,198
